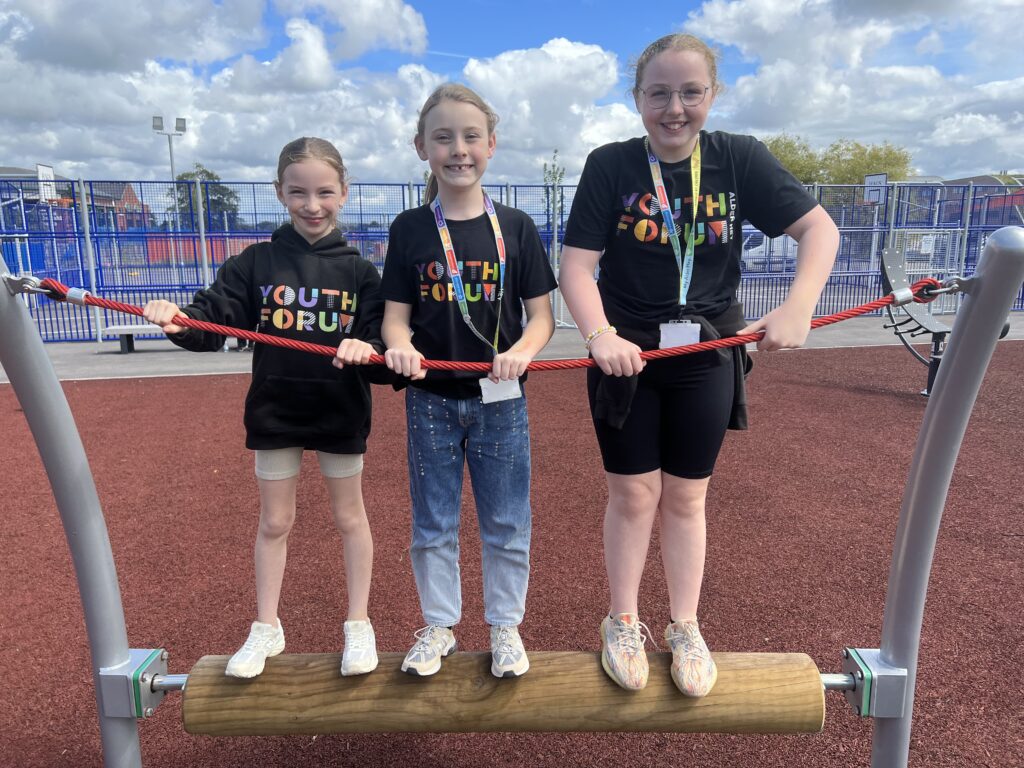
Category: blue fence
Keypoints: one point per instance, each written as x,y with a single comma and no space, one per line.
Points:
136,240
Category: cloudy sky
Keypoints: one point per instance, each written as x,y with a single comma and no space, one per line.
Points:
80,82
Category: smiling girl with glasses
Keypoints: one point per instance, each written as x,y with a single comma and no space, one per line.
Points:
662,216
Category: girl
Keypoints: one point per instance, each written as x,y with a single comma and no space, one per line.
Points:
662,217
458,273
306,284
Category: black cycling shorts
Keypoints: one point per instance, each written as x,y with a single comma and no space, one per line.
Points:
677,421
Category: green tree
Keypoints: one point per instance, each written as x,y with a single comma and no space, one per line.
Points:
796,156
220,202
847,162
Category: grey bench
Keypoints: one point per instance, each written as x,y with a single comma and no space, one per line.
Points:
126,333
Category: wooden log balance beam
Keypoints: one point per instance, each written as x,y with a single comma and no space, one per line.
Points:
562,692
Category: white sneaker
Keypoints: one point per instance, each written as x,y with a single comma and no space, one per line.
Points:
264,640
360,655
508,657
432,644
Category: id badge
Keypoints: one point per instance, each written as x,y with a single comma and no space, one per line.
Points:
495,392
679,334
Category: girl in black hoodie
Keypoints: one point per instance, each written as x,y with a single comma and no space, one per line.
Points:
308,284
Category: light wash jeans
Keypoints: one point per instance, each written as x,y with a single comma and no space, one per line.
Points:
444,433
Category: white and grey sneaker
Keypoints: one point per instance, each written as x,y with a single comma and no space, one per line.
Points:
508,657
360,655
264,640
433,643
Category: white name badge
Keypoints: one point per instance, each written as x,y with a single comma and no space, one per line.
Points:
495,392
679,334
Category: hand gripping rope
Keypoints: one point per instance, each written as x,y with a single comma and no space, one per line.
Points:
923,291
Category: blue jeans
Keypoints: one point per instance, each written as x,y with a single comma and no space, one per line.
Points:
444,433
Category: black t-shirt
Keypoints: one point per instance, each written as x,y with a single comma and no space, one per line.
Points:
615,210
415,272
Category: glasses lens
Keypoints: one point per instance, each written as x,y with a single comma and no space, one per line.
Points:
691,97
658,97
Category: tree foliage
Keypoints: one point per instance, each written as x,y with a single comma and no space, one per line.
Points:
220,202
796,156
845,161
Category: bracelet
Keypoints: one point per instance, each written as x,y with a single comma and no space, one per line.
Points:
598,332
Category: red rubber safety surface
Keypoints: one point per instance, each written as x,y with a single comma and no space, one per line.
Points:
801,514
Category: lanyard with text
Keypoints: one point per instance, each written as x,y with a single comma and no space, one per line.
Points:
456,275
685,266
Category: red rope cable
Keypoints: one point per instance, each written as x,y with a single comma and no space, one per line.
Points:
919,289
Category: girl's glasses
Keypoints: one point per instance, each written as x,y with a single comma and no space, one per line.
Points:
659,96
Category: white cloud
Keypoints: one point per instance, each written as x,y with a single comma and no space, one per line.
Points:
367,24
110,35
547,98
303,66
866,70
78,90
929,44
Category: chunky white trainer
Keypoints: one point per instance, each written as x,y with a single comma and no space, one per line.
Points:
508,657
360,655
264,640
432,644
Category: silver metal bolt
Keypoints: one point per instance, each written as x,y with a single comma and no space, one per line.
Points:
147,712
164,655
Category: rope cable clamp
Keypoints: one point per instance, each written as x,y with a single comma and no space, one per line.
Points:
23,284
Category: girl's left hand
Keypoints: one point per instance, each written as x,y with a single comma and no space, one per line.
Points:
352,352
785,327
509,365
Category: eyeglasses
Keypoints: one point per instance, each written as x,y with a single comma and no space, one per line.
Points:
659,96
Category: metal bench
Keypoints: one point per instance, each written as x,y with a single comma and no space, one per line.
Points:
126,334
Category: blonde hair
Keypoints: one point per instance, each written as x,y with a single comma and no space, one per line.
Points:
451,92
677,42
312,148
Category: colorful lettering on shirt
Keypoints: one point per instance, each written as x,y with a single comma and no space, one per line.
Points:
642,218
318,309
479,278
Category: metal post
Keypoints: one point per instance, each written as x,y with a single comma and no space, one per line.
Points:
90,256
53,241
204,261
990,295
893,191
60,448
968,214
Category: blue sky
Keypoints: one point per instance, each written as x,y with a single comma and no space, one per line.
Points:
941,78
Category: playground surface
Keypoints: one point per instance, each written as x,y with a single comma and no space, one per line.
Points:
801,517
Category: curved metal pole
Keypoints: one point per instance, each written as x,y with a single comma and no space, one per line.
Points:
989,298
60,447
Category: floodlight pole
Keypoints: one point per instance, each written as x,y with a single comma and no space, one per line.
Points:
179,130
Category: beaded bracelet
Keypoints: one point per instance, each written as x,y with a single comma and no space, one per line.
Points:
598,332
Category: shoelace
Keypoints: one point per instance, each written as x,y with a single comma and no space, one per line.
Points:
425,638
631,637
691,640
359,637
505,642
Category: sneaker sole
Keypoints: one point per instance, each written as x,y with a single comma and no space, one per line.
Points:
360,670
510,672
410,669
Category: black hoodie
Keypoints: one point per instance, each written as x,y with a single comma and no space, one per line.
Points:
319,293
